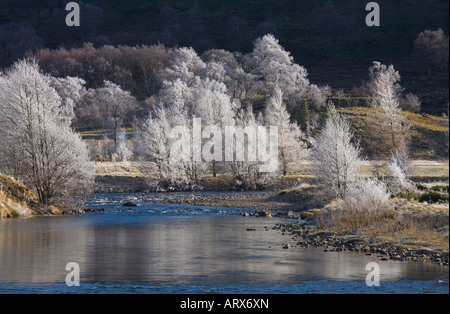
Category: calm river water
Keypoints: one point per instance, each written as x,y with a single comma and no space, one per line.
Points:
185,249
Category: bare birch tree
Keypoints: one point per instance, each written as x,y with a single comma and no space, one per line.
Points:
291,148
336,159
37,147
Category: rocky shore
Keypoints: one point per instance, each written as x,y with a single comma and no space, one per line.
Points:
303,231
305,235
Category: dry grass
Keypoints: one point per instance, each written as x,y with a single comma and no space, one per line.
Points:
15,199
426,121
420,169
429,134
345,220
10,208
13,189
126,169
407,223
18,201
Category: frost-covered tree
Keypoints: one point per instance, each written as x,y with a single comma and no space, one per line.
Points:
152,141
330,112
241,85
316,96
384,86
226,58
294,84
268,60
36,146
246,171
274,66
399,179
290,146
71,91
386,127
399,167
115,104
336,158
214,71
212,103
123,151
186,65
164,138
214,106
177,95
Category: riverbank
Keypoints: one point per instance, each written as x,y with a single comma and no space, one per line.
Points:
307,235
141,177
266,201
412,232
18,201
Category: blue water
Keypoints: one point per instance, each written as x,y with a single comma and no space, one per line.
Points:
185,249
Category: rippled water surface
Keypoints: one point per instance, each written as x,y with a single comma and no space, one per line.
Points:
185,249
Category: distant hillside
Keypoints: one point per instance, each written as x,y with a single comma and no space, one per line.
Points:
429,134
18,201
328,37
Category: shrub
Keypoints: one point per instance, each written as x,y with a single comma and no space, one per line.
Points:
365,203
367,196
440,188
399,179
421,187
433,197
408,195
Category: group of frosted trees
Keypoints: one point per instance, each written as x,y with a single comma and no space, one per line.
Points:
38,143
218,89
37,114
337,162
337,155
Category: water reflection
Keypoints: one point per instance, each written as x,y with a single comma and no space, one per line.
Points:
161,250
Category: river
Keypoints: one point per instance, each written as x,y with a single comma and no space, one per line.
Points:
185,249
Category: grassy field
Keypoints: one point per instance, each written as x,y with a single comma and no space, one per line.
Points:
136,175
438,169
428,133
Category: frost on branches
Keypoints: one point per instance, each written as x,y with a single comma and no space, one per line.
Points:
386,128
38,145
336,158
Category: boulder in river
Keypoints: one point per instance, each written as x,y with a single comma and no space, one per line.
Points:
263,213
129,204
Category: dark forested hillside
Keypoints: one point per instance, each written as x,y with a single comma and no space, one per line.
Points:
329,38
